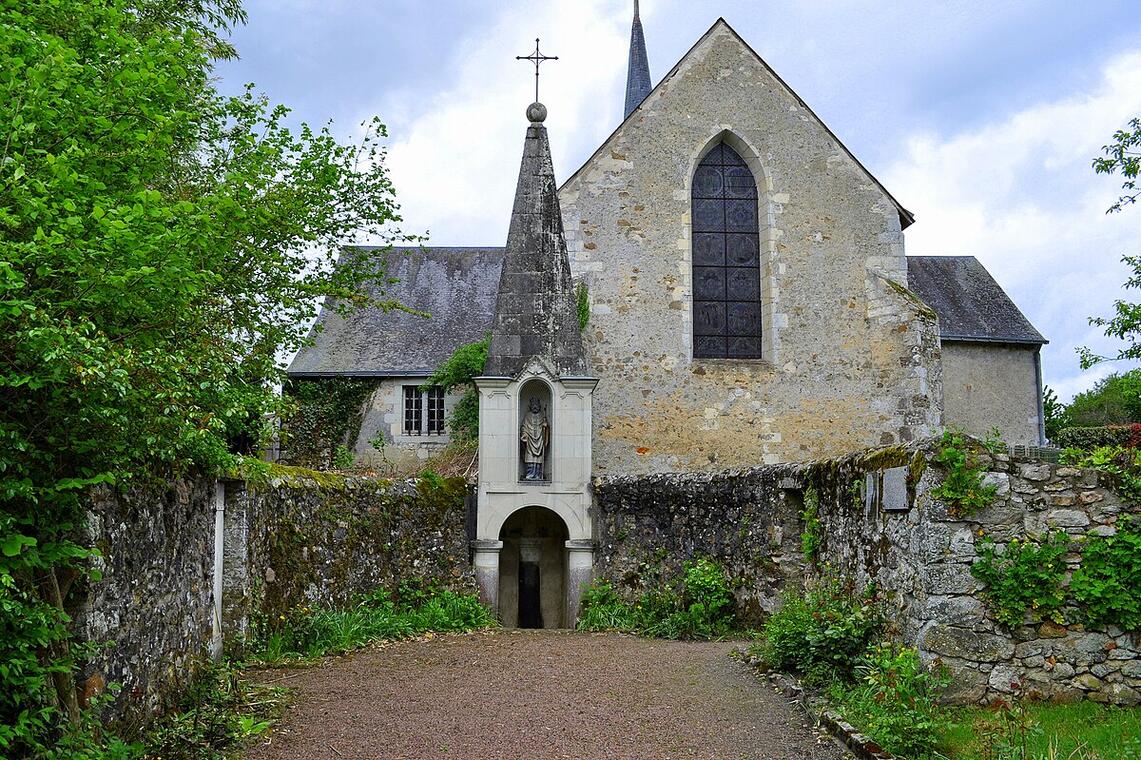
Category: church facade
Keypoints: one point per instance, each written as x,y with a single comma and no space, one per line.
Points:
750,302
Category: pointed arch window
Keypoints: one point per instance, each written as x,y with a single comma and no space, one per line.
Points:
726,258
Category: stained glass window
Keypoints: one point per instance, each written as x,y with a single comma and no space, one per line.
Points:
726,259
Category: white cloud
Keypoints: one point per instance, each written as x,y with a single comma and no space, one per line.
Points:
1020,194
454,157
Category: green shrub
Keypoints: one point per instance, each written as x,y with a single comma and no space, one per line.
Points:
603,610
217,714
1025,576
962,489
1107,586
701,609
1088,438
895,701
823,632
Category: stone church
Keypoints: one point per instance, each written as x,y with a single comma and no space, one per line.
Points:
750,302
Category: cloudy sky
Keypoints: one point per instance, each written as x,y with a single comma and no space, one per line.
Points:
981,117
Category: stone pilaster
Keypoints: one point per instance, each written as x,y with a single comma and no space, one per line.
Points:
486,564
580,571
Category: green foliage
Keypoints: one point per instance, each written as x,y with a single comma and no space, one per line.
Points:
1025,576
603,610
459,371
1087,438
810,538
1053,413
1121,464
307,633
1123,155
161,245
582,304
1107,586
1113,400
701,609
993,441
822,632
219,712
962,489
326,420
895,701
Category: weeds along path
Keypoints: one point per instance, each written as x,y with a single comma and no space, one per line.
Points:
538,694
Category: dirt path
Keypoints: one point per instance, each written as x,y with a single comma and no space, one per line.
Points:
539,694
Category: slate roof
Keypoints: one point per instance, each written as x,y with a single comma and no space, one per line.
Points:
456,286
970,304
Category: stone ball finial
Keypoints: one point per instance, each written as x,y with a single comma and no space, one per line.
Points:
536,113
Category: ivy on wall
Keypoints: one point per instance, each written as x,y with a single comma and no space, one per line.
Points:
459,371
326,421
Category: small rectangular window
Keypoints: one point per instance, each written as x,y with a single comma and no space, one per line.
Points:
413,410
435,410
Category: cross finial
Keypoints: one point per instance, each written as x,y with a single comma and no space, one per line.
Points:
537,58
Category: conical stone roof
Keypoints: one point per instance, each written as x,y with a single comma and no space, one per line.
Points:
535,313
638,84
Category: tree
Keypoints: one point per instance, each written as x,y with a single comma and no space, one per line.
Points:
1122,155
1114,400
160,246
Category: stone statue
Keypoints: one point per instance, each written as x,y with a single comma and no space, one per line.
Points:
535,433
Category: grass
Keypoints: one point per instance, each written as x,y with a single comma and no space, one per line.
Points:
307,634
1083,730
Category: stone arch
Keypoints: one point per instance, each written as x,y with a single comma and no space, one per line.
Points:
767,235
533,569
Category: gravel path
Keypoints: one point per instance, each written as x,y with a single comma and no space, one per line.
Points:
539,694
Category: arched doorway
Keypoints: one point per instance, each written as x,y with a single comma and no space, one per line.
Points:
532,569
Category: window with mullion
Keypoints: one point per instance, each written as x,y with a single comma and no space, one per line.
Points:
726,258
413,410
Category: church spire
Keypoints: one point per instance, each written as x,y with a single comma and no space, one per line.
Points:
535,313
638,73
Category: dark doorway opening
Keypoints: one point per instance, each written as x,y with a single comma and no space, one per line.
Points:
530,614
532,569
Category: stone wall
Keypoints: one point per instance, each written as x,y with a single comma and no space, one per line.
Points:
293,538
321,539
879,522
152,610
850,359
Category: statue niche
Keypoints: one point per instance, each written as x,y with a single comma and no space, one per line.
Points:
535,435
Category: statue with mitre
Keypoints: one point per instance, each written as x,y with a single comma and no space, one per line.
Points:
535,433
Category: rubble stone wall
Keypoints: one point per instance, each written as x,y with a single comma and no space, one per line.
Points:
293,539
879,522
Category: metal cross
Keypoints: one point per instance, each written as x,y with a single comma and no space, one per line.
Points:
537,58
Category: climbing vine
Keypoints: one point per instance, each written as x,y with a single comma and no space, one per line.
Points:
963,489
810,537
459,371
1108,584
326,421
1024,576
582,304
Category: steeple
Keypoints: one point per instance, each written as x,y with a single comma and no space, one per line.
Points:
638,74
535,314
